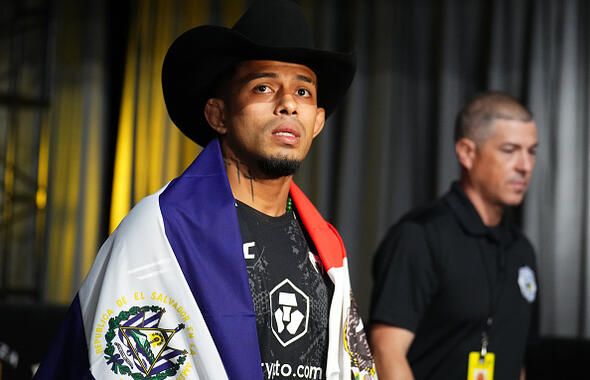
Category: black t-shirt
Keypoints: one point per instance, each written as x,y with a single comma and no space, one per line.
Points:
441,273
291,293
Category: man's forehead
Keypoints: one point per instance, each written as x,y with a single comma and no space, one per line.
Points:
513,125
253,69
510,129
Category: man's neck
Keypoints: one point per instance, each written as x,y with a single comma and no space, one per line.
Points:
268,196
490,214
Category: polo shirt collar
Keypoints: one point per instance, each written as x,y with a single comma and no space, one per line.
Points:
471,221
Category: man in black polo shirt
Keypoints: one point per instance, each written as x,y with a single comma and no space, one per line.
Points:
455,288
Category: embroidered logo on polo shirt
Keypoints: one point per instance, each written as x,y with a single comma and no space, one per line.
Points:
527,283
290,308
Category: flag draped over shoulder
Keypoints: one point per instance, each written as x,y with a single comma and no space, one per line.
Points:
168,293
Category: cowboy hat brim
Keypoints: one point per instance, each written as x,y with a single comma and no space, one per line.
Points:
198,58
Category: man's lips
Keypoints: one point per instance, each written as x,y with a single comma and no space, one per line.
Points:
518,185
286,134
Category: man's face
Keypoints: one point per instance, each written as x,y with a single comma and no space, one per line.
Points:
271,112
503,164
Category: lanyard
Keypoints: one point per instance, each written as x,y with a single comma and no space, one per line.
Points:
494,289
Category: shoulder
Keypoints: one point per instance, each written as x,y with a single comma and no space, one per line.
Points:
324,236
436,213
423,220
138,229
139,239
144,216
417,237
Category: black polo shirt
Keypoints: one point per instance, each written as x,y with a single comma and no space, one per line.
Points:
440,273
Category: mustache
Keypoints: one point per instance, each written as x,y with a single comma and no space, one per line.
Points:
275,122
517,177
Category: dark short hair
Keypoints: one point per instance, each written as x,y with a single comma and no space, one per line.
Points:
475,118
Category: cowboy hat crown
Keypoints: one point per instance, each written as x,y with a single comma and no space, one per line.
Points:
269,29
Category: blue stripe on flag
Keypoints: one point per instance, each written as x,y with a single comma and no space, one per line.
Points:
164,362
152,321
67,358
134,321
202,227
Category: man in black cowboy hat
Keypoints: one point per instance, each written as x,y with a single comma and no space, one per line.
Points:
229,271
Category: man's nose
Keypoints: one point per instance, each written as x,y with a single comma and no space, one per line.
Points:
286,105
526,162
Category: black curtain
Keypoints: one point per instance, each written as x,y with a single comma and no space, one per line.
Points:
390,146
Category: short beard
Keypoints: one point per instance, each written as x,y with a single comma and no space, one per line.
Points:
277,167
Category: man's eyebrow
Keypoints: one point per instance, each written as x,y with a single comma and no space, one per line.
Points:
261,75
517,145
264,74
305,78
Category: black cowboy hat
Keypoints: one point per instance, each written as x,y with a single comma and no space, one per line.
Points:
270,29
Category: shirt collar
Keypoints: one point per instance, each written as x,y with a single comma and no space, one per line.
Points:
471,221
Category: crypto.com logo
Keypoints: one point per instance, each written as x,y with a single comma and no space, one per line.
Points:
290,308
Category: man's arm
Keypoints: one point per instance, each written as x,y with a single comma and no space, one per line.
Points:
405,281
390,345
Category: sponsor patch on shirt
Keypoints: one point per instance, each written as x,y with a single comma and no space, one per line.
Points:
290,308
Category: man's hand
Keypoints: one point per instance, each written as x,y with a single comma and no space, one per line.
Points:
390,345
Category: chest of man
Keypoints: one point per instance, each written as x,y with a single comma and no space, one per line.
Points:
291,295
479,277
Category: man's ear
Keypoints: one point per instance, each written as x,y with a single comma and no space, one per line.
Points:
466,150
216,114
320,120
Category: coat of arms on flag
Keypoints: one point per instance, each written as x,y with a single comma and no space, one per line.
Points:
138,347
